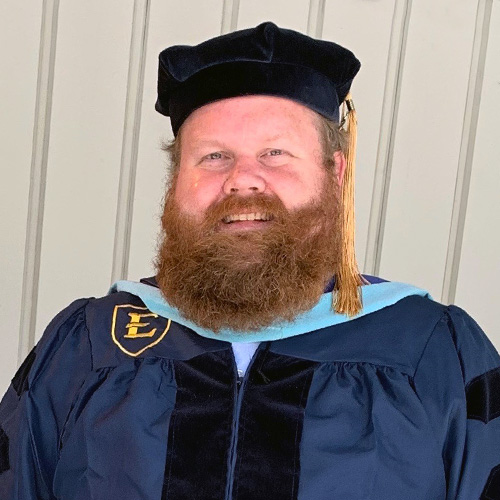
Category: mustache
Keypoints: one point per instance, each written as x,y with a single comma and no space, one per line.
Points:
237,204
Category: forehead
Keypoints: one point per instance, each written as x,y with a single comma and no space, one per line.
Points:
251,117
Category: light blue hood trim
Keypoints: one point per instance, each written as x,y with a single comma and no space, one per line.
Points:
374,296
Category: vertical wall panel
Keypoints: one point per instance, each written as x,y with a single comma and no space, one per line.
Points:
84,152
479,272
282,12
130,143
344,21
19,46
427,142
171,22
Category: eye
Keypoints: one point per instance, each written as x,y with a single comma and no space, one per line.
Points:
275,157
214,156
275,152
215,160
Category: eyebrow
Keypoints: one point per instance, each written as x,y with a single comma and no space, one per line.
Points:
276,137
198,144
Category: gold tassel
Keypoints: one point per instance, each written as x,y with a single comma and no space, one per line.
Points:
348,280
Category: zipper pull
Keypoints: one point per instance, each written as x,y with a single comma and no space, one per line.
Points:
239,380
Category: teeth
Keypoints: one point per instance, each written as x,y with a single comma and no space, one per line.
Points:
242,217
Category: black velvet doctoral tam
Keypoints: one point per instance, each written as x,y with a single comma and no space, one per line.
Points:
265,60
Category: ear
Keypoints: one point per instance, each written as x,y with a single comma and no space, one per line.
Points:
340,164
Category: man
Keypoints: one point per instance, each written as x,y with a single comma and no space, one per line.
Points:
258,364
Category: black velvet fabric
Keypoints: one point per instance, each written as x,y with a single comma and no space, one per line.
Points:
200,428
20,380
265,60
492,488
483,396
4,451
270,431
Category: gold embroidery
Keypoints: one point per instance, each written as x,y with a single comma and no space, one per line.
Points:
133,327
135,324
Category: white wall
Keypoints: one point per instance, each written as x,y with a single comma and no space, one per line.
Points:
83,173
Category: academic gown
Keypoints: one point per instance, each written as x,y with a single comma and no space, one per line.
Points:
117,402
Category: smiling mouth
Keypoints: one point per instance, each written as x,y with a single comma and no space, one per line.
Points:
254,216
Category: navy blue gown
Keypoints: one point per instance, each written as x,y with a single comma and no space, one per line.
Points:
119,403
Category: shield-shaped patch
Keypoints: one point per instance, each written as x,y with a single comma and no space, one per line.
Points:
135,329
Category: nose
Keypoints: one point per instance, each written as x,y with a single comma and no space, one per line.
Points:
244,179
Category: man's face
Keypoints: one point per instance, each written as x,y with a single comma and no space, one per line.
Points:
245,146
251,224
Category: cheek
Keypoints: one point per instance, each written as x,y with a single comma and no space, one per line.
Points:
194,194
296,189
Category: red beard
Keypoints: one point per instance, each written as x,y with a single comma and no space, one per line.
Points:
246,280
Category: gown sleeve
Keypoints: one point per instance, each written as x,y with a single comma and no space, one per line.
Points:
35,407
458,382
